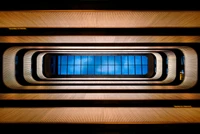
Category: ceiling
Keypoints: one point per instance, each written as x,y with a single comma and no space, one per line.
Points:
98,14
98,19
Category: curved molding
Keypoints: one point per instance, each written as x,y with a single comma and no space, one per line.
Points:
41,76
191,68
170,77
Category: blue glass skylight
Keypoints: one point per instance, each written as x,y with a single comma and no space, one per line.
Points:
100,64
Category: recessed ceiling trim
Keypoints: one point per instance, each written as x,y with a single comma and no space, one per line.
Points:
191,68
156,76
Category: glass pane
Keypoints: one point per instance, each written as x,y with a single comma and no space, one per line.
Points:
131,70
77,60
70,60
144,70
98,60
144,60
118,60
118,70
98,69
124,70
90,60
138,60
104,60
90,69
84,69
63,70
138,70
111,60
77,70
131,60
70,69
111,70
124,60
84,60
104,69
59,70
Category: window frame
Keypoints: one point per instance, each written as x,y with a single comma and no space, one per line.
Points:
47,64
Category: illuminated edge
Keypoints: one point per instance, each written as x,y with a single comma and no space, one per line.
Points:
189,81
156,76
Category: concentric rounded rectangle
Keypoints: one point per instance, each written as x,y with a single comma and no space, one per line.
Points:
157,56
188,82
169,78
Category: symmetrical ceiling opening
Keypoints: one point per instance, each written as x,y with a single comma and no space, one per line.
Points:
34,61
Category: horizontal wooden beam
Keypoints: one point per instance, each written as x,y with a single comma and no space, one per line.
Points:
118,115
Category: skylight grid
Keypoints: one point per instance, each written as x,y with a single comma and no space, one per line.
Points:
101,65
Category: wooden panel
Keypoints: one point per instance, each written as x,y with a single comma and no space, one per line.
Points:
100,115
99,18
99,39
100,96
